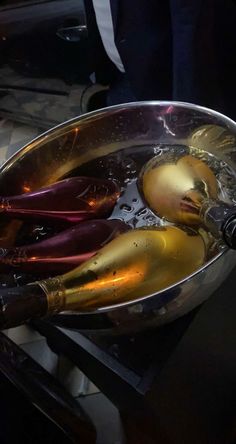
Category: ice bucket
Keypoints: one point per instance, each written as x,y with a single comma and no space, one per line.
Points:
60,150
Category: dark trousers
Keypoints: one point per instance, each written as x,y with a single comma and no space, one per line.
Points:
120,91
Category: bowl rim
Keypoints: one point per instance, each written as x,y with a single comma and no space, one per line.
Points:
148,103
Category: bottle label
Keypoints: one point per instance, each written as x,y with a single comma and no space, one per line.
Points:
55,292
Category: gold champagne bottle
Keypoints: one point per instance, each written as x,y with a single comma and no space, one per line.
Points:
183,189
135,264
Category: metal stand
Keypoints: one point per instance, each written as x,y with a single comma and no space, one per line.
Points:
43,391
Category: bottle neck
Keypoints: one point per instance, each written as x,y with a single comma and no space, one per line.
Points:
230,233
218,217
54,290
19,304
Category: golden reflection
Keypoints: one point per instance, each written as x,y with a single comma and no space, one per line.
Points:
126,277
26,189
135,264
176,189
92,203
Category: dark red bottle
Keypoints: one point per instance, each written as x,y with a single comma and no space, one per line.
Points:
71,200
64,251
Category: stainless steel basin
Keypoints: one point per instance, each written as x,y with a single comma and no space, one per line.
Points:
57,152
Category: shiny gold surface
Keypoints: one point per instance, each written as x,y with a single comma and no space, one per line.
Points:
176,190
137,263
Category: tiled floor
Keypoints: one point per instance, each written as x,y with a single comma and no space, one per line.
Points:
104,415
13,136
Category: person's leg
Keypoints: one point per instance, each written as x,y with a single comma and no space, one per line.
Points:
120,91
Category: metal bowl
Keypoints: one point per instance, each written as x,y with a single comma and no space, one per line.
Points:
57,152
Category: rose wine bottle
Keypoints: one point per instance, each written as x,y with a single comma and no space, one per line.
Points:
64,251
135,264
71,200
